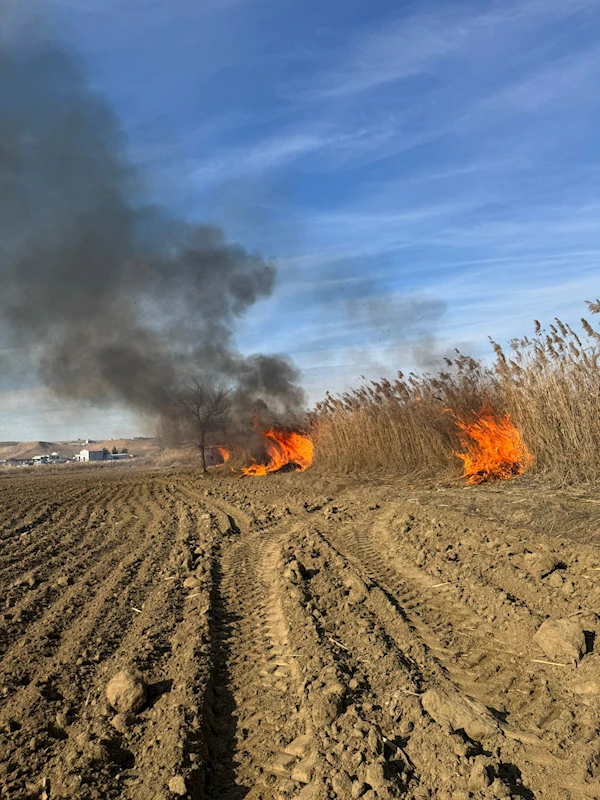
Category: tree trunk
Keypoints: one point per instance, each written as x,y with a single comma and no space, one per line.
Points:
202,450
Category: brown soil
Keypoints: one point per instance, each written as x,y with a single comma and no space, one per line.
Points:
300,637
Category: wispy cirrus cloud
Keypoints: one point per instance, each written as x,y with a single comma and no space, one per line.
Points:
155,13
564,82
418,44
272,153
336,144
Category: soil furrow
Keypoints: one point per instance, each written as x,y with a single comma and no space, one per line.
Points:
493,672
298,639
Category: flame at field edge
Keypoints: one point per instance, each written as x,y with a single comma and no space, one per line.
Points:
494,448
283,448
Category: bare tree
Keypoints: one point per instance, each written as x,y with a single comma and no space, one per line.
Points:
206,408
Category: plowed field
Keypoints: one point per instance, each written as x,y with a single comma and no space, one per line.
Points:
300,637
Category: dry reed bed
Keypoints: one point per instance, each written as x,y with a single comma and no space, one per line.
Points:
549,384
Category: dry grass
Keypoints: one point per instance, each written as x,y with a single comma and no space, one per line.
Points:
549,384
173,457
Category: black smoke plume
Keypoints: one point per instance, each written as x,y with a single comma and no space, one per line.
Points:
116,301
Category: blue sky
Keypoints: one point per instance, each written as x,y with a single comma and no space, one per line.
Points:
424,174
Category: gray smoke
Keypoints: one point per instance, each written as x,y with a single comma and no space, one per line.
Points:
116,301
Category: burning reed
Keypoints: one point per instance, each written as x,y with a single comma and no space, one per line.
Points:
284,449
493,448
548,384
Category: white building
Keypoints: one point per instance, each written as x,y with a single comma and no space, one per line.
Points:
91,455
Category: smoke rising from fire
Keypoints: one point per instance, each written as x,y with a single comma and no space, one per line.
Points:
116,301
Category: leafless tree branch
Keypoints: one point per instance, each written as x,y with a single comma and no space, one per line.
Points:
206,408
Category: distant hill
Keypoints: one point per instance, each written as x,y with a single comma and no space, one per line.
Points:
136,447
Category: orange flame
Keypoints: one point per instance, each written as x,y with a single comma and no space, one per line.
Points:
494,448
224,453
284,448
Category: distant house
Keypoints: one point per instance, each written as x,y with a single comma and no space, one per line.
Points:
91,455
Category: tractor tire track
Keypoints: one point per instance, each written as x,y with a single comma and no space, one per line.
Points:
291,635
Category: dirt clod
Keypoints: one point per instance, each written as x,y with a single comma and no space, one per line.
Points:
304,770
298,746
498,789
555,580
120,722
126,692
561,639
177,785
357,590
325,708
374,775
455,712
541,565
342,785
479,778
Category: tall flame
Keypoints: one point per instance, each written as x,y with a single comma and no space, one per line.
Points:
284,447
494,448
224,453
